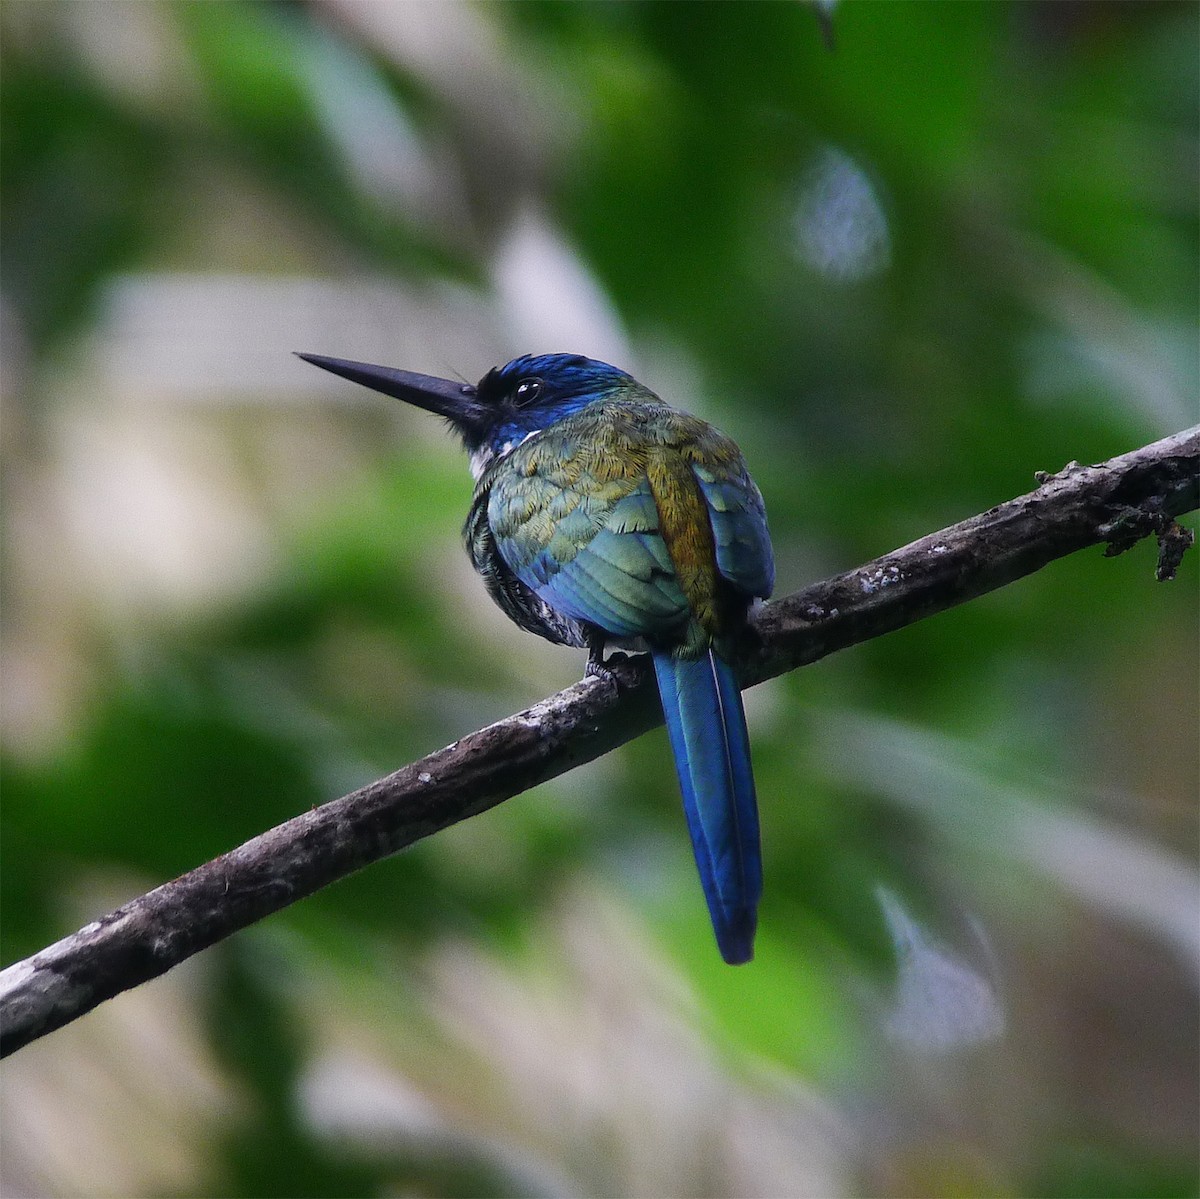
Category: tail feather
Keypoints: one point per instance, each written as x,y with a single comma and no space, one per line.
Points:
706,724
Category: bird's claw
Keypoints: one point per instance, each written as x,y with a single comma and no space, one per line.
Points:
596,668
610,670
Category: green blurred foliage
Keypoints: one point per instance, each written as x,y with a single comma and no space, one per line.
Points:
1033,166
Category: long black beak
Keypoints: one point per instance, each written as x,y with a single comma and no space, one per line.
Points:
447,397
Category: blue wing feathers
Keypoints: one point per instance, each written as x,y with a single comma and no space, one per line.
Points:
572,590
706,725
617,585
636,513
739,525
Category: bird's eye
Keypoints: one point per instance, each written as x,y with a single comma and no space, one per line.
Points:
527,391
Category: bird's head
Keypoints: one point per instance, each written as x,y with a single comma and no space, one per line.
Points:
509,403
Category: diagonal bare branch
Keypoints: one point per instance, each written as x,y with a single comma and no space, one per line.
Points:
1115,503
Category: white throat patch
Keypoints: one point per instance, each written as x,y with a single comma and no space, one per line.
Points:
483,457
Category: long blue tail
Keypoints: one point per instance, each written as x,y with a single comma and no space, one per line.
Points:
702,704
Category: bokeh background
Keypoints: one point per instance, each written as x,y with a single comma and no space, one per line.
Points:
905,271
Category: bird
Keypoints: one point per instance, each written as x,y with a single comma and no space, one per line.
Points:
604,518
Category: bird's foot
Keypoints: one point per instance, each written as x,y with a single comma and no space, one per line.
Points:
613,670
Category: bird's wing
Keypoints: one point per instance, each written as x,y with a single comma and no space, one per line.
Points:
739,524
515,599
587,541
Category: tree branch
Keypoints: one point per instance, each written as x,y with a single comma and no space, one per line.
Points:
1116,503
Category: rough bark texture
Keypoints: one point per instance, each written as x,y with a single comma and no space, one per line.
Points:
1116,503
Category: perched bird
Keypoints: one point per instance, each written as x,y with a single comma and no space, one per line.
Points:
602,517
